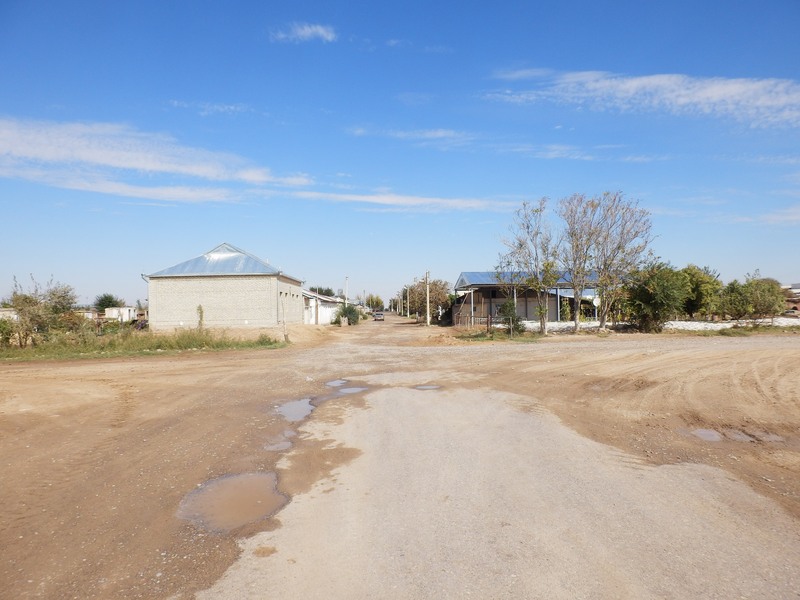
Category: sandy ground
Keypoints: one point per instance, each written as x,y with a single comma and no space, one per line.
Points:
627,466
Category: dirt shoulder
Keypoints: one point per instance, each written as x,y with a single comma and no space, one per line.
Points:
98,456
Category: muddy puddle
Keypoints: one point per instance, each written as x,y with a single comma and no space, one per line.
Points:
280,442
232,501
229,502
296,410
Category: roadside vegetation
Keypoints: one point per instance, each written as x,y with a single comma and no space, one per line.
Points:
602,243
47,326
348,314
127,341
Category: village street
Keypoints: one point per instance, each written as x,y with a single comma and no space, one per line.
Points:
409,464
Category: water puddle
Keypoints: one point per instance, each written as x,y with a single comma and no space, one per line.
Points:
733,435
737,436
229,502
708,435
427,387
296,410
336,383
765,436
352,390
280,442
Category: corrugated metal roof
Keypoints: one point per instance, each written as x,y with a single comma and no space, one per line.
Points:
225,259
490,278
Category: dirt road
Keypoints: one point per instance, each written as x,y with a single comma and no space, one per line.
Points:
621,467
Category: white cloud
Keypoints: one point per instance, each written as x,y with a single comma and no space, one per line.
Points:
442,138
305,32
174,193
101,157
388,199
521,74
430,135
117,160
785,216
759,102
206,109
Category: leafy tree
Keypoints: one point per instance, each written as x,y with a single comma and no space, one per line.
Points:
6,332
581,217
350,312
620,245
705,289
40,310
416,297
766,296
531,259
323,291
566,311
104,301
508,311
735,300
656,294
374,302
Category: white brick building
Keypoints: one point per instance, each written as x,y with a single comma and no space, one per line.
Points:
224,288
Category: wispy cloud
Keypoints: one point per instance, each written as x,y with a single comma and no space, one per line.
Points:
105,157
388,199
305,32
785,216
521,74
206,109
118,160
441,137
758,102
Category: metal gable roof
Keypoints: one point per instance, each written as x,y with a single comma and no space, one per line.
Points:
225,259
469,279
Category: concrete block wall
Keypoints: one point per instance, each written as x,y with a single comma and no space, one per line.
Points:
227,301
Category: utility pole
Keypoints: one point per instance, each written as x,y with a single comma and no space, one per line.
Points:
427,298
345,291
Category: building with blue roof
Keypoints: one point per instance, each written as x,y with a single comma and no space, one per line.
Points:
480,294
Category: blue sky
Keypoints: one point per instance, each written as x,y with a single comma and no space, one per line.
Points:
374,141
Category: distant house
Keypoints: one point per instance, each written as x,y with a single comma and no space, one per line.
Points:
792,296
479,294
10,314
224,288
320,309
123,314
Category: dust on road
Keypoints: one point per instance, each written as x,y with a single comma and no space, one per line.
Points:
421,468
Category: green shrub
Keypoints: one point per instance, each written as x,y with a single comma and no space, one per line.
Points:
508,312
350,312
6,331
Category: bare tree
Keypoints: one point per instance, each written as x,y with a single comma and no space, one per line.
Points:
581,217
620,246
532,254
